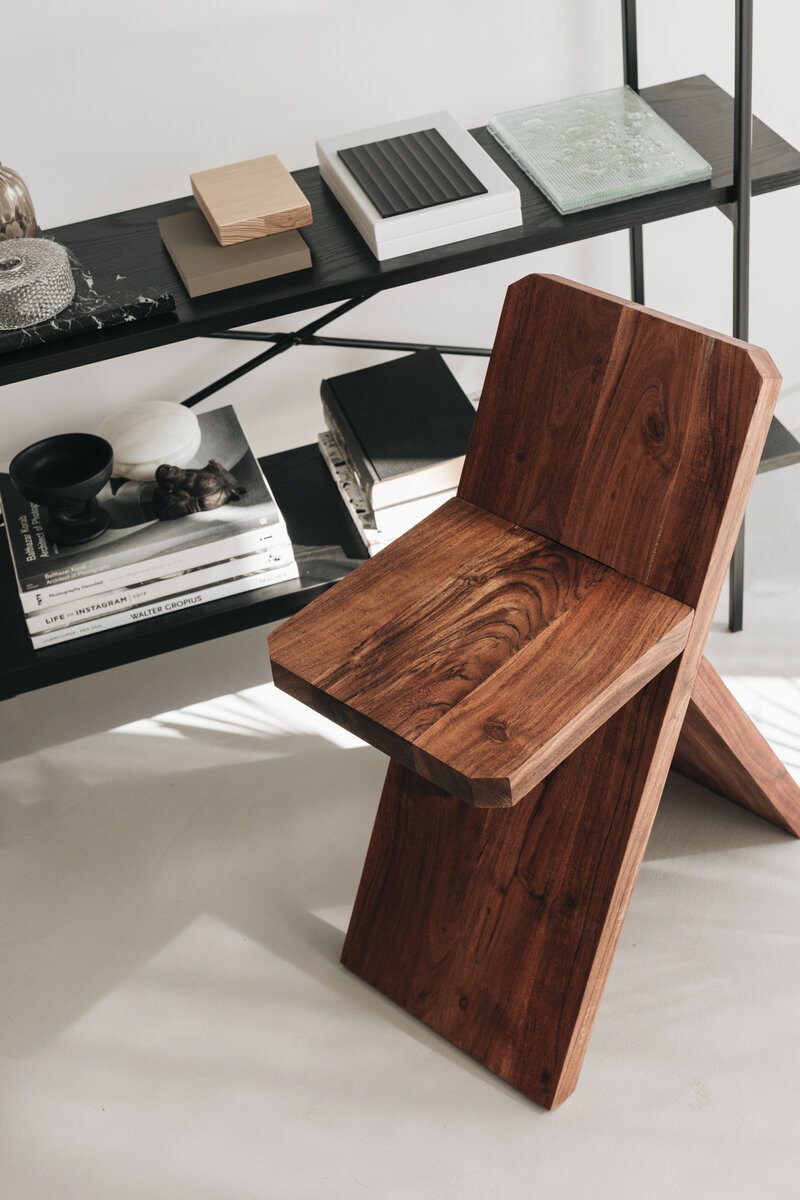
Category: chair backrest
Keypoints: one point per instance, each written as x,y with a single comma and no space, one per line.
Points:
617,431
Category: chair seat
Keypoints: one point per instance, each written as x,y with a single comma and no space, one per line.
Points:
477,653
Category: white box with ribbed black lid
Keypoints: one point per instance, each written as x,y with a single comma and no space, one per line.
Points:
498,207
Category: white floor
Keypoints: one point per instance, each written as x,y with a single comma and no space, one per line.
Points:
180,850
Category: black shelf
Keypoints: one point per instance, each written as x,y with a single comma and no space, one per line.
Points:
343,267
326,548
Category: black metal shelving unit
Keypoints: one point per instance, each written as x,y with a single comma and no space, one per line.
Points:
738,211
344,273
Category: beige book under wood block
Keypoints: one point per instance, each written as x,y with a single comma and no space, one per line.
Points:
250,199
205,266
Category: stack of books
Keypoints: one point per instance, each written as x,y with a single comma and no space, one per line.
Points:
142,567
245,228
395,442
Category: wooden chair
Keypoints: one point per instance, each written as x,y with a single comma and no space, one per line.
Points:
526,656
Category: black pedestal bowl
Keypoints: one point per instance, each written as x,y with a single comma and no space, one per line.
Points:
64,473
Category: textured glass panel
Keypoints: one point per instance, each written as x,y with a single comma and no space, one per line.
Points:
593,150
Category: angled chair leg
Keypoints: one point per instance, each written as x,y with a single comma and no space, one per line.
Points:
497,927
721,748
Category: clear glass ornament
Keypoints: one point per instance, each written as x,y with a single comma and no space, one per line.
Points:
17,218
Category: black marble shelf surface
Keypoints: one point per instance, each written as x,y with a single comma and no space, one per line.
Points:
326,548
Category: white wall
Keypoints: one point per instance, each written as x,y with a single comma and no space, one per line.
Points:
108,106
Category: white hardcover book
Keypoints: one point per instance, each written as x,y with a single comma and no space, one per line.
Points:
498,207
391,522
388,523
76,612
171,604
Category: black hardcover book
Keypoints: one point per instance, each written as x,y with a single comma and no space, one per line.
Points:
404,426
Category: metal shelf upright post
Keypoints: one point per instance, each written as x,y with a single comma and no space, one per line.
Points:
738,211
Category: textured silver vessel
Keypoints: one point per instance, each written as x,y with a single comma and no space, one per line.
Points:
36,281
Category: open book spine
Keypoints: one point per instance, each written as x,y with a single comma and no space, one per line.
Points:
349,443
351,493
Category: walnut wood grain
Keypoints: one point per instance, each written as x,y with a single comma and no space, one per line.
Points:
456,904
620,427
720,747
496,927
480,654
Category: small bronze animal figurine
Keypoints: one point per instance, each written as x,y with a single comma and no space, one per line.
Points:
180,492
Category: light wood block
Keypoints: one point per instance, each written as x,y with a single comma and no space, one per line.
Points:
250,199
